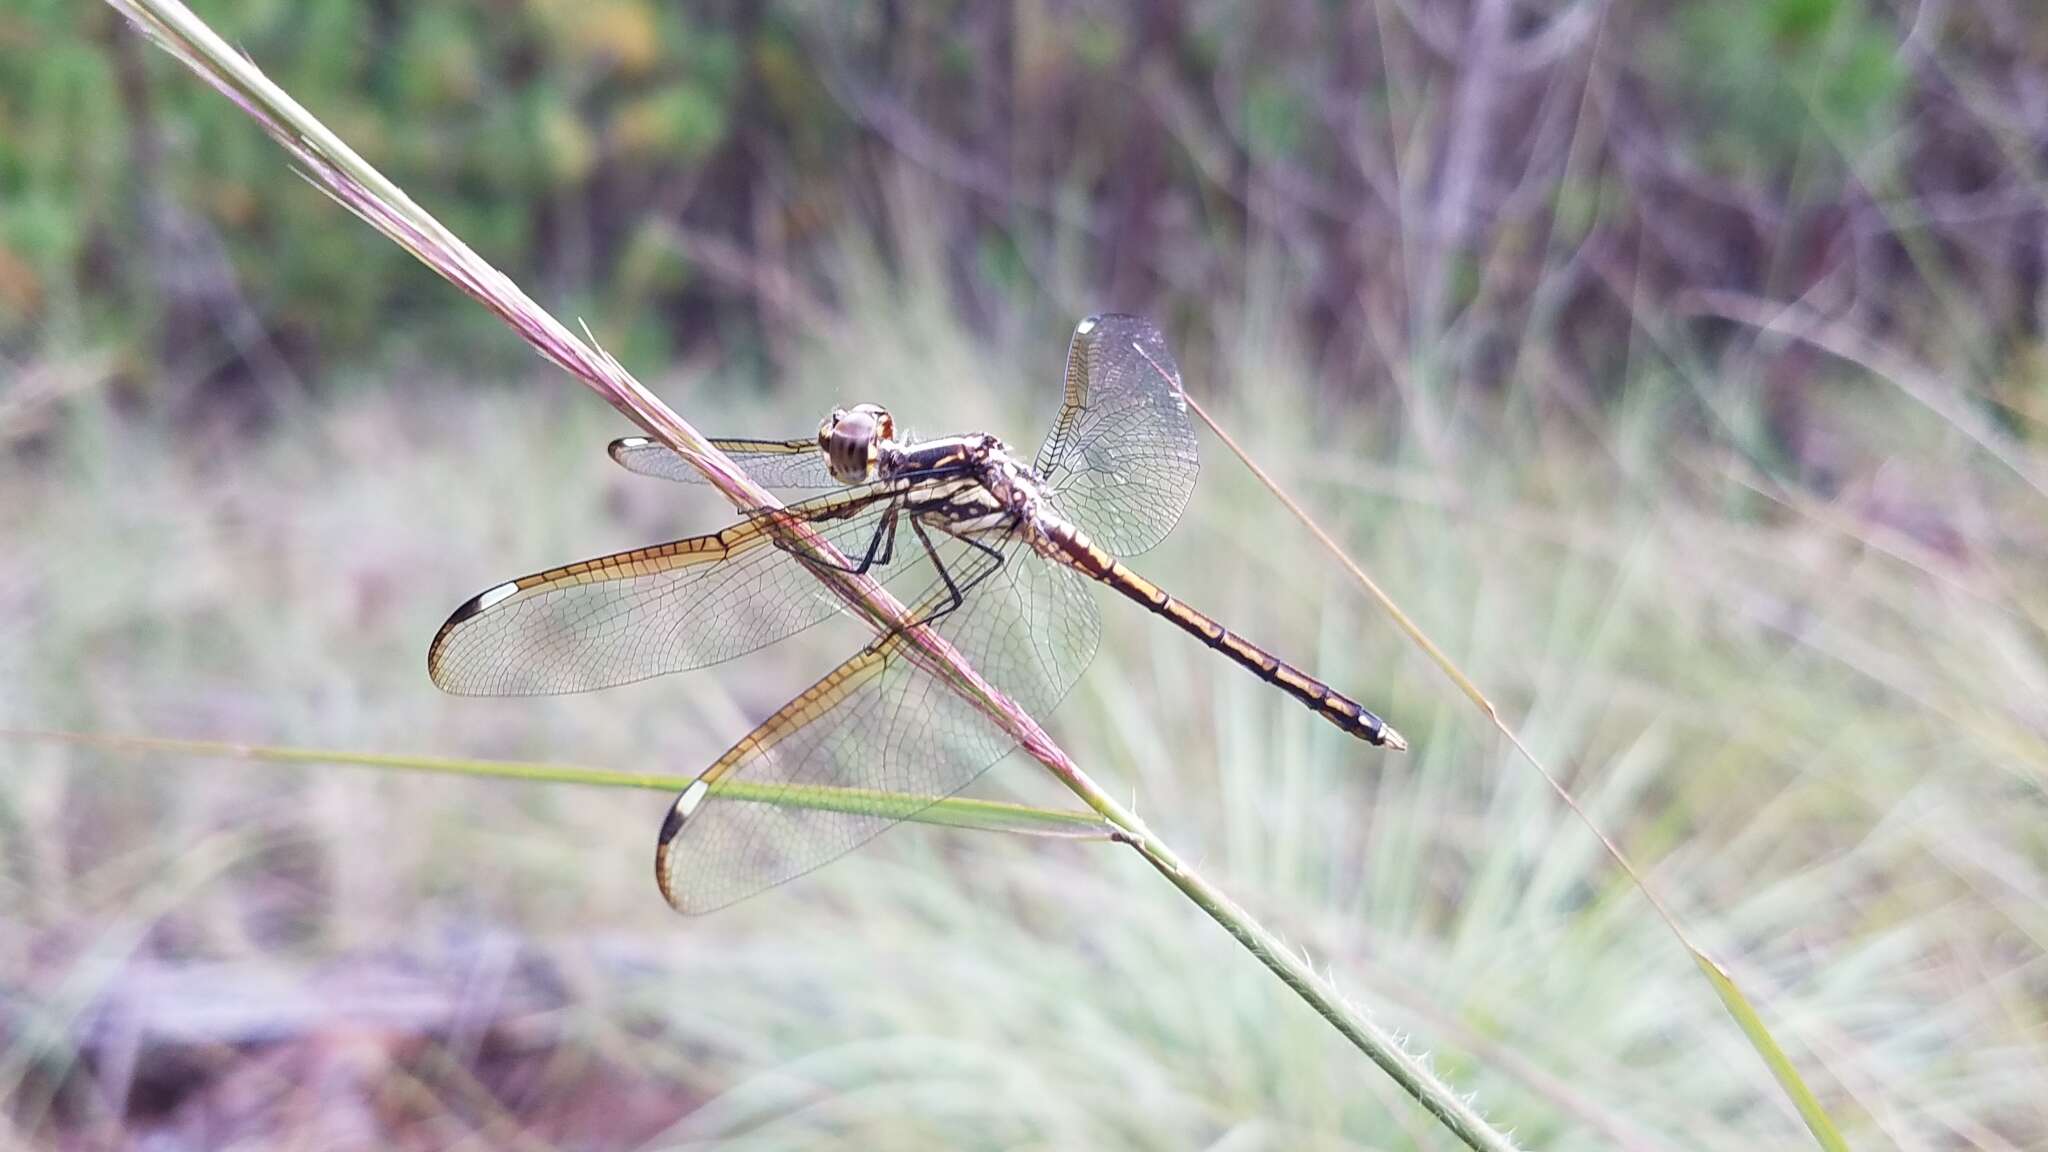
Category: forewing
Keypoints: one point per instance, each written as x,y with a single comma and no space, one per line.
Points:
772,463
629,616
877,725
1120,459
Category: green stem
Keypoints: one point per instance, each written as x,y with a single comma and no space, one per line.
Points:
1408,1071
380,203
952,812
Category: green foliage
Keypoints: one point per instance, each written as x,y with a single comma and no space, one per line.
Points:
1109,151
1273,118
487,112
1000,263
1098,44
1764,80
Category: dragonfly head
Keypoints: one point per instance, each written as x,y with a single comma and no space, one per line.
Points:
852,439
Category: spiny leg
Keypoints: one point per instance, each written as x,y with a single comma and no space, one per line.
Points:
882,542
956,593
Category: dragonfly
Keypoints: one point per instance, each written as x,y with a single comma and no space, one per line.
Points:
995,555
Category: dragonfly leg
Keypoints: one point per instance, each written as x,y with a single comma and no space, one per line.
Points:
880,550
956,592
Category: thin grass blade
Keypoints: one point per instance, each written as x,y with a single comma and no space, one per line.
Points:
953,812
1746,1017
336,168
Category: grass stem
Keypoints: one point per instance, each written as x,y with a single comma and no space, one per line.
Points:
1739,1006
352,182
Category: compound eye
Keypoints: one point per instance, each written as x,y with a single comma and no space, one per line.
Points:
847,440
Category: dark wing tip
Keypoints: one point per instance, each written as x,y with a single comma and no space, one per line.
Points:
1091,322
471,608
617,449
1091,325
672,826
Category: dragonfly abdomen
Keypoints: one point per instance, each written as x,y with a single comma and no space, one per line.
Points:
1320,698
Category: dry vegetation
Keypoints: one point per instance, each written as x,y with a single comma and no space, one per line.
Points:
1808,723
1764,580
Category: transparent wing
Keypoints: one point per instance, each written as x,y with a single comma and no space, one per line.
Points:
629,616
772,463
880,724
1120,459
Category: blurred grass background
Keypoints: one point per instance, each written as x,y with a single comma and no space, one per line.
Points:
1678,366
